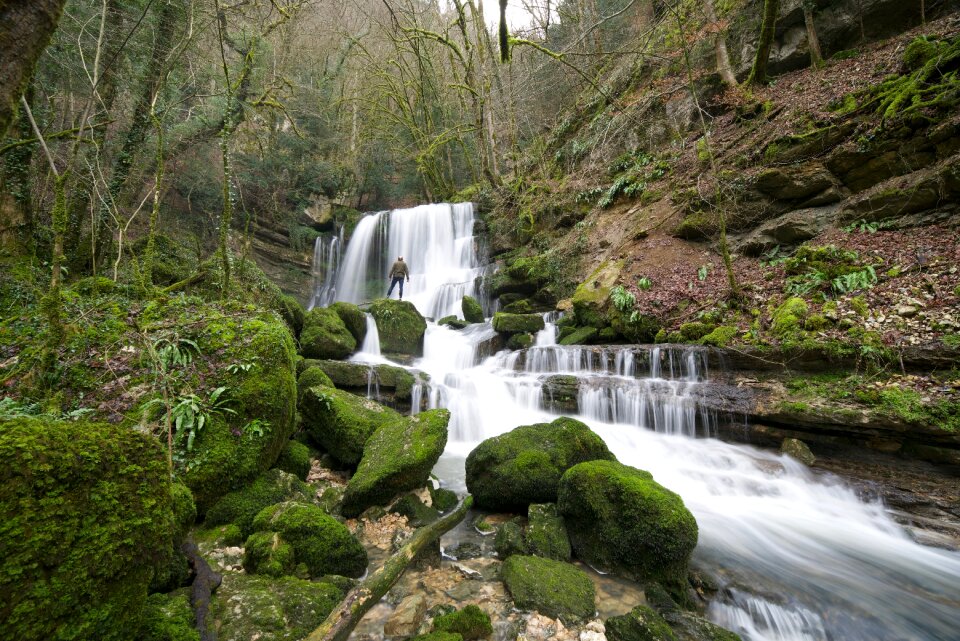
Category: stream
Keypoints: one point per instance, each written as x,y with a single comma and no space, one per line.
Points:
799,556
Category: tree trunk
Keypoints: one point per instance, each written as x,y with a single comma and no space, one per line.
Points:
758,74
724,68
16,211
345,617
816,57
25,30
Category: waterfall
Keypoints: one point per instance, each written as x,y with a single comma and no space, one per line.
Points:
800,556
326,265
371,341
437,243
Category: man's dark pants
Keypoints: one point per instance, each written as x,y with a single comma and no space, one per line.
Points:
397,280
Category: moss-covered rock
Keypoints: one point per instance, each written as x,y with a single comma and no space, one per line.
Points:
816,323
523,466
319,541
690,627
472,311
357,376
169,617
416,512
437,636
520,341
640,624
241,506
470,623
291,311
579,336
398,457
176,571
311,377
558,590
325,335
295,459
592,297
249,607
798,450
788,318
695,330
443,499
720,336
85,518
634,327
546,534
510,539
266,553
521,306
619,519
341,422
452,322
400,325
353,318
517,323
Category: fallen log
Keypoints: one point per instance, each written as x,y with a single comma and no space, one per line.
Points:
345,617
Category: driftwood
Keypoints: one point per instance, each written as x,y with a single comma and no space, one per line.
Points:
345,617
205,582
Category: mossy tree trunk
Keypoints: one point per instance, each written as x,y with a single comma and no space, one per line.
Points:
724,68
813,41
25,29
758,74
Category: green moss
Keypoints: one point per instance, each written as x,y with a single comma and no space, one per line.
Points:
353,318
720,336
546,534
325,335
295,459
523,466
520,341
266,553
291,311
357,376
443,499
920,51
579,336
416,512
555,589
86,516
816,323
517,323
470,623
398,457
510,539
169,617
311,377
859,305
241,506
620,519
472,311
521,306
341,422
319,541
249,607
437,636
788,318
592,296
694,331
400,325
640,624
452,322
232,534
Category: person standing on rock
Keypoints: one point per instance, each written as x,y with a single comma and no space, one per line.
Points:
397,273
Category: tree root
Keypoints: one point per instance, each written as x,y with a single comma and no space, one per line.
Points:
205,583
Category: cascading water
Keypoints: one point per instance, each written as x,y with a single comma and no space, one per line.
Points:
326,263
801,557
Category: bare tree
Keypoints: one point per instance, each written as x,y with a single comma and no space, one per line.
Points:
758,74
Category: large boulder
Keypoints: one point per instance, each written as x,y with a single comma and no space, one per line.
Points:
546,534
398,457
556,589
354,319
400,325
524,466
472,311
394,382
341,422
505,323
640,624
325,335
85,519
241,506
592,297
619,519
321,543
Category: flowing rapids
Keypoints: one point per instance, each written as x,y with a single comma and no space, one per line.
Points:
800,556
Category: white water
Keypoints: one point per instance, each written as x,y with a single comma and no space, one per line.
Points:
326,263
803,557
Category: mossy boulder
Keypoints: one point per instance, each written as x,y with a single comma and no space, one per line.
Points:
592,297
311,377
520,341
319,541
472,311
176,571
634,327
619,519
546,534
578,336
470,623
695,330
268,554
172,260
452,322
249,607
443,499
788,318
816,323
341,422
640,624
169,617
353,318
291,311
397,457
295,459
357,376
400,325
437,636
553,588
521,306
416,512
797,449
241,506
505,323
510,539
524,466
720,336
86,516
325,335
